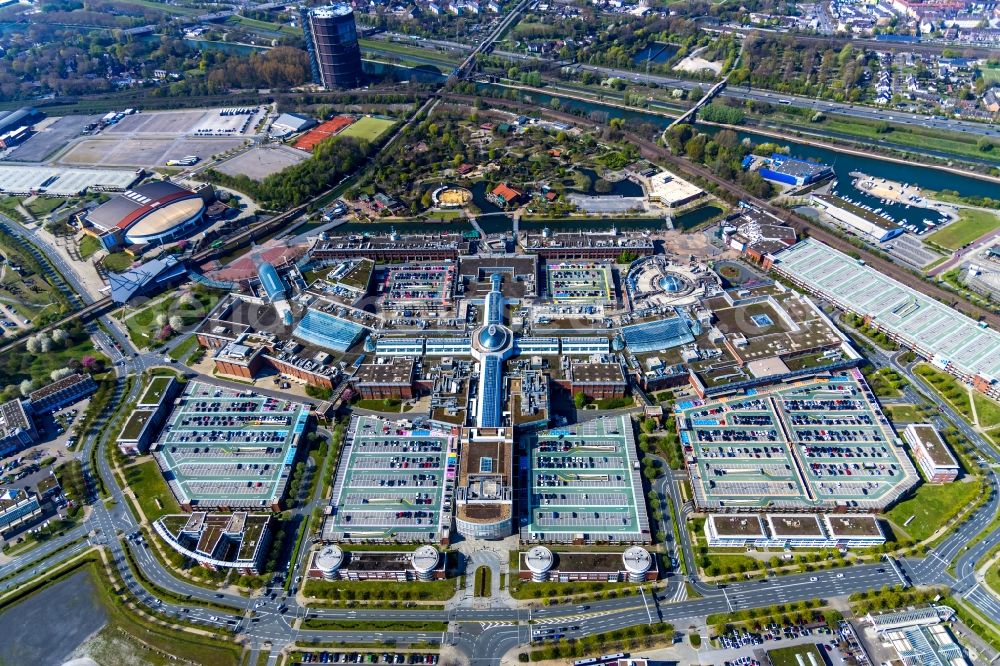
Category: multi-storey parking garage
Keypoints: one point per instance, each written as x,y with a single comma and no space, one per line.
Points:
822,444
229,449
583,484
392,483
580,283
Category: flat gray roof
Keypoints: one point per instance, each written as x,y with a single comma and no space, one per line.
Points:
951,337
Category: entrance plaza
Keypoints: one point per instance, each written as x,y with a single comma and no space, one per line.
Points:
822,444
391,483
229,449
584,485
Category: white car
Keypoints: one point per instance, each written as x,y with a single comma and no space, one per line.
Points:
813,579
840,575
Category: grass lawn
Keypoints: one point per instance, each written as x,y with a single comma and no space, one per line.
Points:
790,656
142,326
8,207
932,505
404,50
184,349
993,578
151,490
389,625
368,129
42,206
88,246
374,590
972,225
903,414
987,410
991,75
116,262
387,405
947,387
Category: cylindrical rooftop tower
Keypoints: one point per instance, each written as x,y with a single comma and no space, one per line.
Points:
333,46
424,561
539,560
637,563
328,561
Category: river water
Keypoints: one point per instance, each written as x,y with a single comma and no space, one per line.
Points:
843,163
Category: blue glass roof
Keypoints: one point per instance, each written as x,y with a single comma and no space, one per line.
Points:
490,394
492,337
273,285
328,331
657,335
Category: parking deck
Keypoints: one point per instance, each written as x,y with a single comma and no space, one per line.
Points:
586,283
419,287
820,444
583,484
229,449
392,482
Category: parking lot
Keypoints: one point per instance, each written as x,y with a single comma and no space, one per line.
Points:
419,287
145,152
262,161
582,481
216,122
822,443
579,283
226,448
393,482
53,137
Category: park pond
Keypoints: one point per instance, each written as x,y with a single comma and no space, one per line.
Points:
50,625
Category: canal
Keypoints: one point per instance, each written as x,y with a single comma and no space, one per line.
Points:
843,163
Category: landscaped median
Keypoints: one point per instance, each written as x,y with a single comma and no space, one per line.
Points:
323,624
620,640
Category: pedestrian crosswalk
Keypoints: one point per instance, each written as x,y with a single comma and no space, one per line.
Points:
679,595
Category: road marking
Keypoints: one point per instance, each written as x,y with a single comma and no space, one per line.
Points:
727,599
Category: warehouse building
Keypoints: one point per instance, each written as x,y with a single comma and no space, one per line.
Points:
947,338
386,378
857,219
791,171
60,393
931,453
17,429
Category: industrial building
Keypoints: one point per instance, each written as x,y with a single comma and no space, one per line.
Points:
634,565
669,190
857,219
219,541
756,234
599,380
331,562
947,338
594,245
790,171
388,377
290,123
931,453
17,509
798,530
228,449
60,393
332,42
17,429
153,213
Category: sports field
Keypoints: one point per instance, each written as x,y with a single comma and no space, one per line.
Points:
368,128
972,225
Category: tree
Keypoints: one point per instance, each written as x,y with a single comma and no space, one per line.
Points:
580,400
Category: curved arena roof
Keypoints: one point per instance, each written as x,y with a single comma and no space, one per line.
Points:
148,212
164,219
